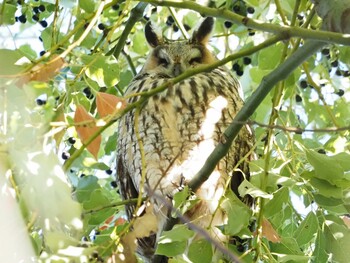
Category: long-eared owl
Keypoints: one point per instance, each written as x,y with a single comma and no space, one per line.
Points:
178,129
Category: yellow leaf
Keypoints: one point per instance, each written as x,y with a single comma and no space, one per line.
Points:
269,232
108,104
86,128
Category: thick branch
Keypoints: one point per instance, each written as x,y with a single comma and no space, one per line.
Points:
135,15
268,82
324,36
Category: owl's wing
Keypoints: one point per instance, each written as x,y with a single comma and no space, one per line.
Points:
129,191
126,187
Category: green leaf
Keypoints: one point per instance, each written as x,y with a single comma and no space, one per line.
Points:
178,233
237,212
325,167
97,200
307,229
85,186
87,5
270,57
287,246
8,16
337,240
200,251
171,249
276,204
320,254
183,201
247,188
343,159
103,70
174,242
327,189
11,57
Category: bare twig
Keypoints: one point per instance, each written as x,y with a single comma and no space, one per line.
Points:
185,220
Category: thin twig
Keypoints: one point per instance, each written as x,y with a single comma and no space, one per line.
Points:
199,230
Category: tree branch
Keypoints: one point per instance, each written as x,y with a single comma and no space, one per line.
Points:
325,36
135,15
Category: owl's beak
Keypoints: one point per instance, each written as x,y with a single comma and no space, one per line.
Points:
177,70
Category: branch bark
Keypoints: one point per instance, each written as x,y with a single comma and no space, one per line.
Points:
324,36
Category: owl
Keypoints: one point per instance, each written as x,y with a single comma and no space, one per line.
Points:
178,128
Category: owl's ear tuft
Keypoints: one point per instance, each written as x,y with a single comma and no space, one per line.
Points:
202,34
152,37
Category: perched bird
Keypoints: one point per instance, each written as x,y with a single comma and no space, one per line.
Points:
177,129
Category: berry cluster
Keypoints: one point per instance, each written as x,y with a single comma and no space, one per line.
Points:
240,8
171,23
238,66
36,10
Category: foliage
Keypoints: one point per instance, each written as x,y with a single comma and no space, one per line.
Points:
62,93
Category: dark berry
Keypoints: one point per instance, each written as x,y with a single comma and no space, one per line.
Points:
187,27
251,32
65,155
42,8
175,28
42,53
109,171
239,72
250,10
43,23
298,98
115,7
228,24
146,17
340,92
36,9
325,51
338,72
346,73
303,84
40,102
335,63
236,67
236,8
114,184
247,60
127,42
22,18
101,26
321,151
71,140
300,17
35,17
95,254
82,175
88,94
154,10
170,20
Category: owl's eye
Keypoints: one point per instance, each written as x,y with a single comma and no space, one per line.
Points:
195,60
164,62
